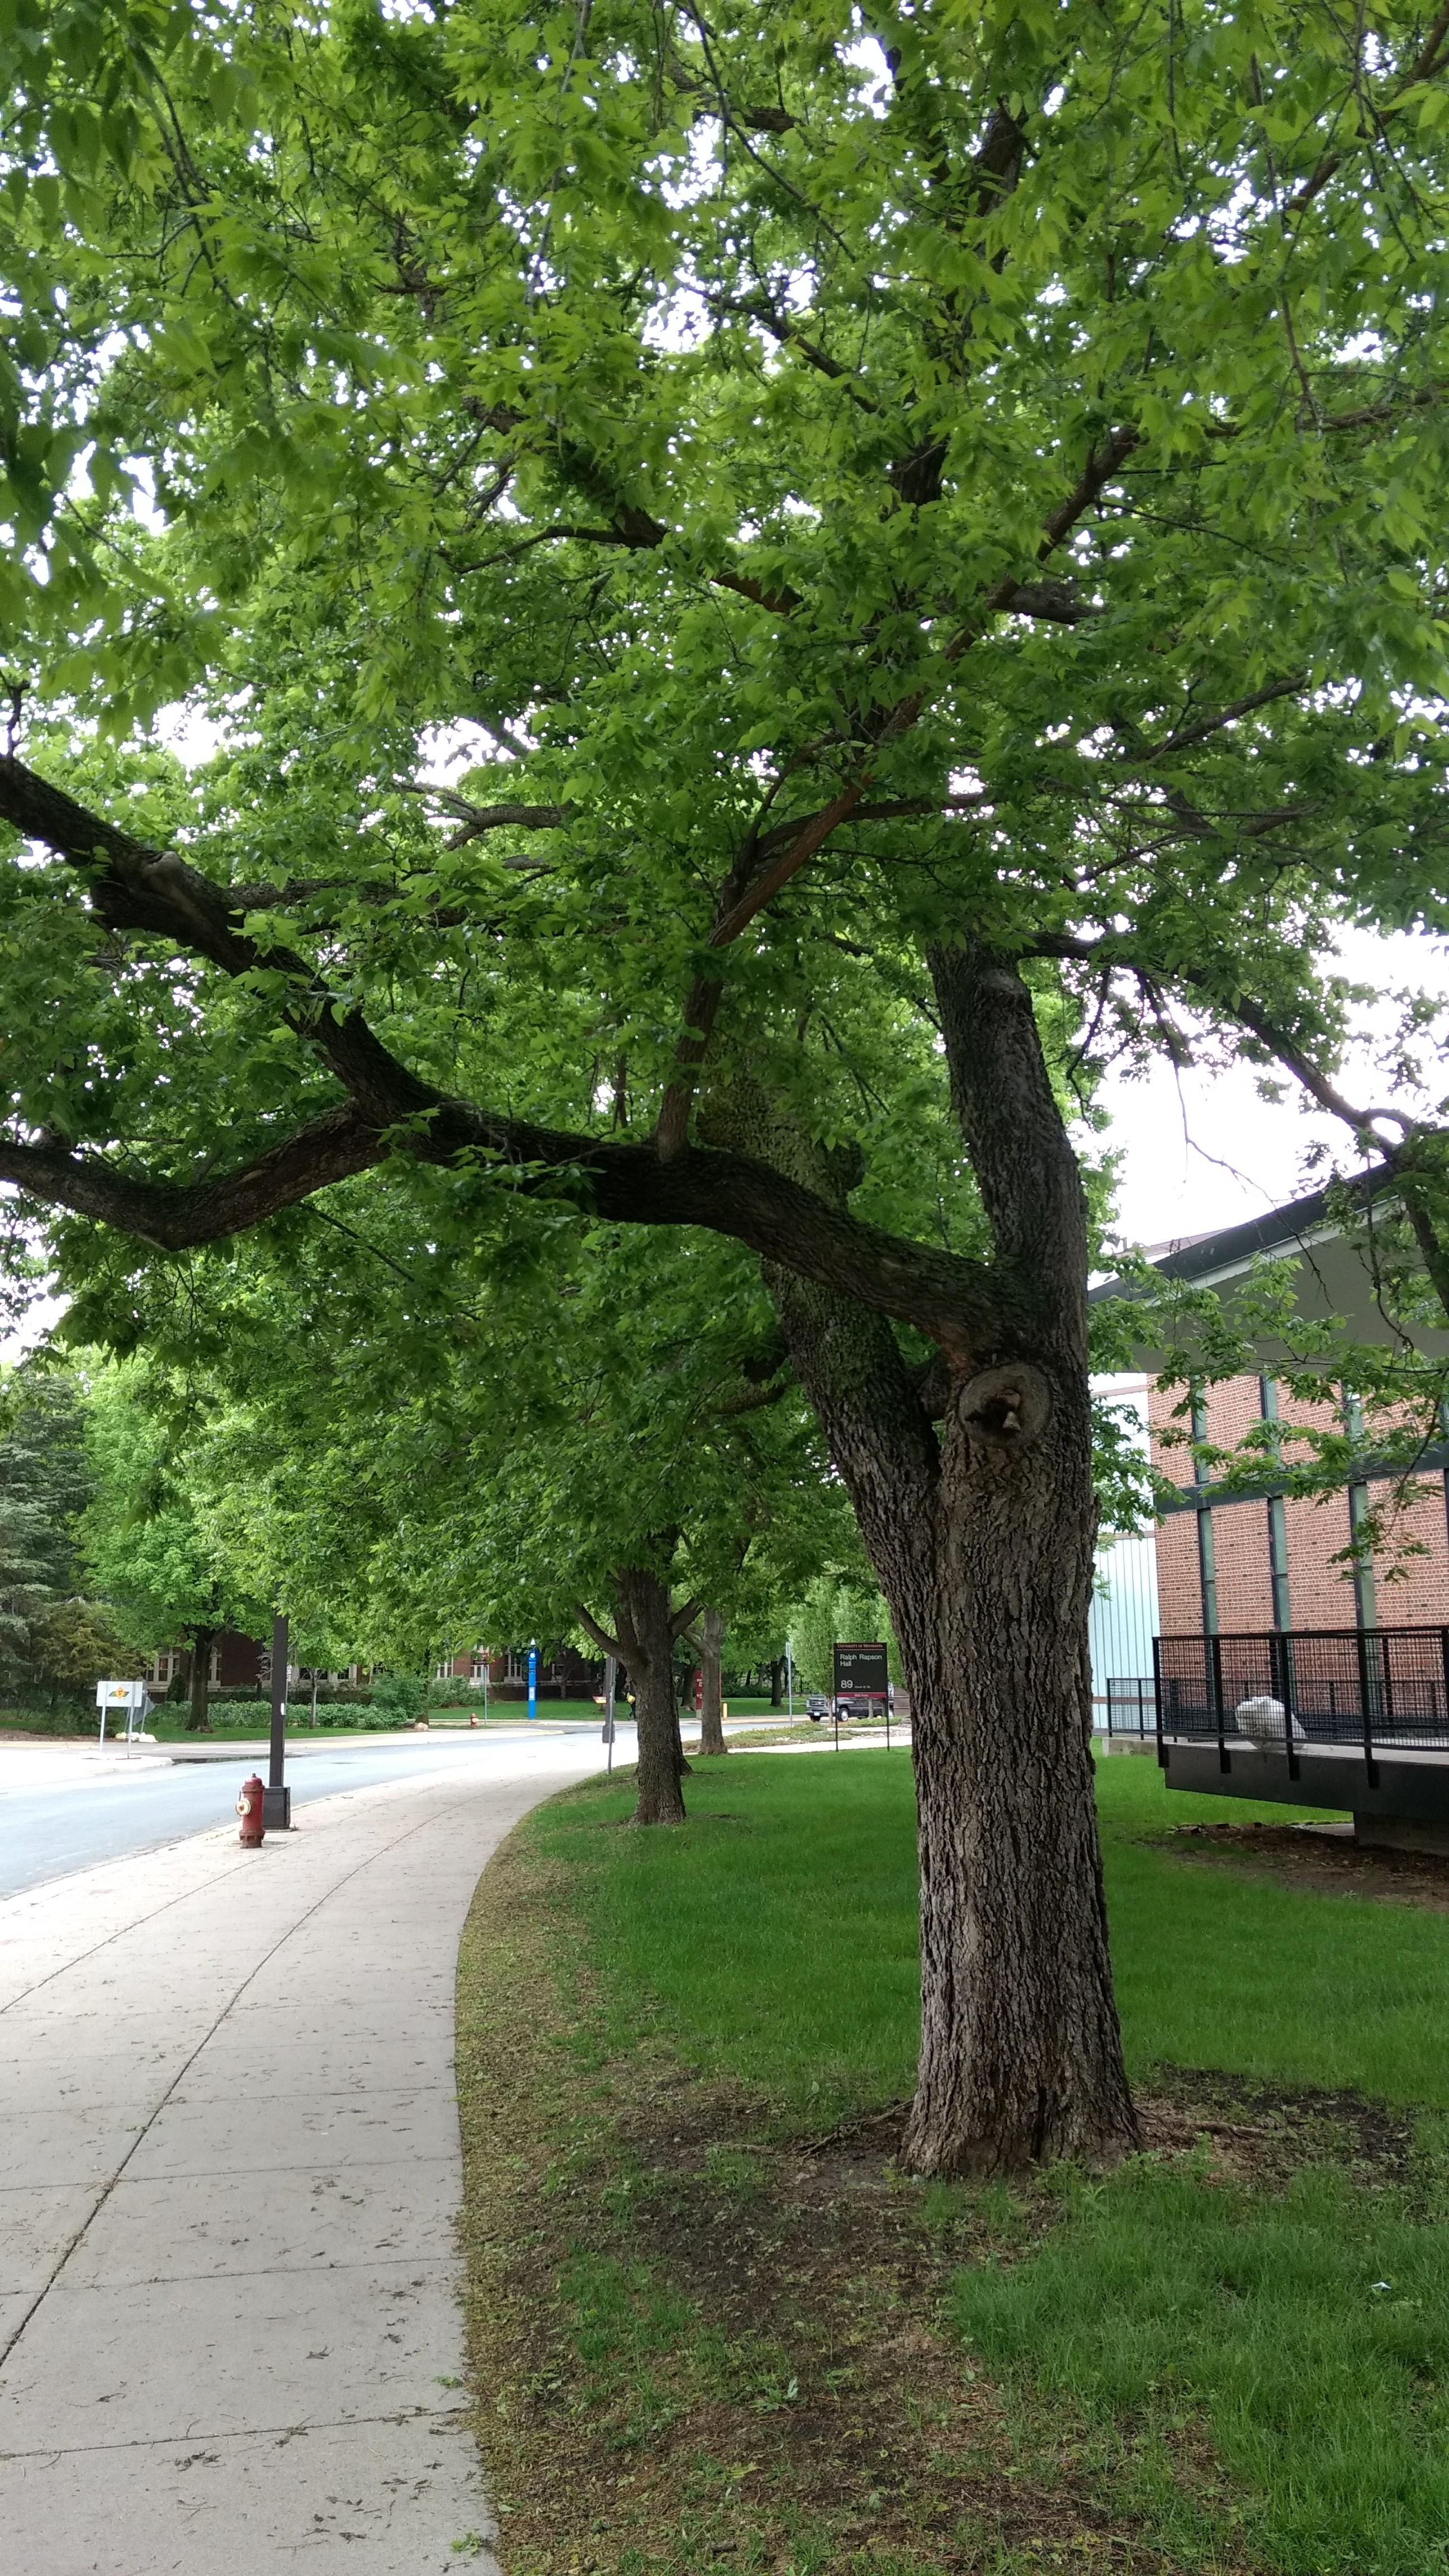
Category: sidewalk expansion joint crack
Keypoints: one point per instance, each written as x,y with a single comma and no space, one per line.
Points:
232,2000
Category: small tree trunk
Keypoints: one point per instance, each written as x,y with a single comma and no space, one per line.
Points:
711,1715
198,1718
777,1682
648,1643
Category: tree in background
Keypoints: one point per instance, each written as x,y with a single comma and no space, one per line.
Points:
934,511
149,1534
835,1612
43,1485
407,1451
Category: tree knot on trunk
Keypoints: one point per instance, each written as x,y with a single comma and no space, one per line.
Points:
1006,1408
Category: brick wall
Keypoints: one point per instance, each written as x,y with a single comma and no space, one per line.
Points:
1411,1589
1320,1594
1419,1595
1244,1566
1179,1599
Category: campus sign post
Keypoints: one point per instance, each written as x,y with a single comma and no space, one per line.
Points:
861,1675
117,1700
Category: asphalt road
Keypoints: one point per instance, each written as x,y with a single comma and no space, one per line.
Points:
45,1832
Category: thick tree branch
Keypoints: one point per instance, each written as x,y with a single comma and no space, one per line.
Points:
1020,1152
282,898
173,1215
132,887
757,1400
901,810
601,1636
490,818
621,1183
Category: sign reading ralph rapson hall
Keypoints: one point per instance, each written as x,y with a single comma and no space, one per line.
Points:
860,1672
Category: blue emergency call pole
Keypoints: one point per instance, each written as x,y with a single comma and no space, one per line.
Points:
532,1677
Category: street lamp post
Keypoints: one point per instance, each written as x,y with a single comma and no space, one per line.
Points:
277,1797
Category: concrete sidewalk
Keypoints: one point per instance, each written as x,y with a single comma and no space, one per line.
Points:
229,2171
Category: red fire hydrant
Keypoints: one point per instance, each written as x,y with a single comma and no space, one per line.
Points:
249,1808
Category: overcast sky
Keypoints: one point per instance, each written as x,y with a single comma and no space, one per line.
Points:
1202,1150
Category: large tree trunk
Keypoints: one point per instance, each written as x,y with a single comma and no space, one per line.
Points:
711,1712
647,1638
198,1715
982,1538
1020,2052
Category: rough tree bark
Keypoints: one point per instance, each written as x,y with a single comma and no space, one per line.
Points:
711,1716
777,1682
199,1693
982,1535
646,1636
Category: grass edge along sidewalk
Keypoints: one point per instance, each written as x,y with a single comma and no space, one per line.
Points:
712,2325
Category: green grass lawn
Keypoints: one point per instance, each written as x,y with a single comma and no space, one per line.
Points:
1304,2328
778,1928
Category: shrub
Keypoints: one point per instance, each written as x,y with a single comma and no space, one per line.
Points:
453,1693
400,1699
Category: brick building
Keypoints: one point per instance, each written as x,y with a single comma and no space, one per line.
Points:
245,1663
1232,1563
563,1674
237,1663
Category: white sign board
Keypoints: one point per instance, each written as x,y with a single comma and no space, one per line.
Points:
128,1700
122,1695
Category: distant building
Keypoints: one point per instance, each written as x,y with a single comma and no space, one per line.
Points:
236,1664
245,1663
562,1674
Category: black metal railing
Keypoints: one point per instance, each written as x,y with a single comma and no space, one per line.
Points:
1376,1690
1131,1708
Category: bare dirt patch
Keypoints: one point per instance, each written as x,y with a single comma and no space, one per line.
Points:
1259,2135
1323,1864
697,2343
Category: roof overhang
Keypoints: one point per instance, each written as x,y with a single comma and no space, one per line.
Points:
1334,1273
